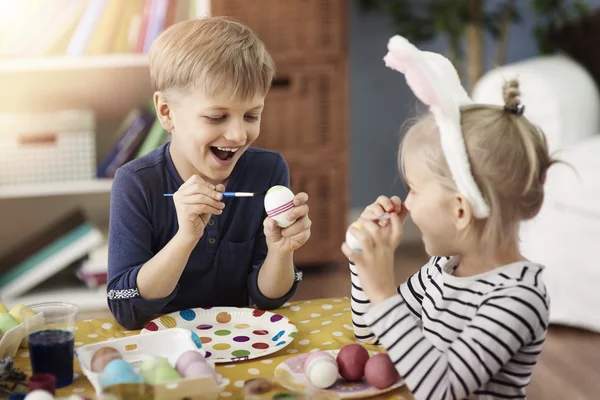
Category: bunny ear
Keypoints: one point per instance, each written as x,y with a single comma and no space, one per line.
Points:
434,80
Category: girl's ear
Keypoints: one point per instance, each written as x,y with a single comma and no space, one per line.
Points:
462,213
163,111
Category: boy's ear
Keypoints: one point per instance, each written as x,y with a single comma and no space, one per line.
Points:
462,213
163,111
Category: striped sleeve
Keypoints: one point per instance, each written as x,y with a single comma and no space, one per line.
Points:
360,305
504,323
412,291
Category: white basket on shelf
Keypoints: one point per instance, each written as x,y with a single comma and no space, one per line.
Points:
47,147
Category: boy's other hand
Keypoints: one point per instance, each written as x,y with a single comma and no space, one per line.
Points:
286,240
195,201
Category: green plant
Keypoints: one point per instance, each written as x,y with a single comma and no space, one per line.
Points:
464,22
552,16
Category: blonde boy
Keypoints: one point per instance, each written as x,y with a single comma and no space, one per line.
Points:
197,248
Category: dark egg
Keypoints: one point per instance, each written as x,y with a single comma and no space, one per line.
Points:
351,362
102,357
380,371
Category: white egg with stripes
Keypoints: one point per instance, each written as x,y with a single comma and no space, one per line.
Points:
279,201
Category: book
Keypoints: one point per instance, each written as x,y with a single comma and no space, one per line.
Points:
68,239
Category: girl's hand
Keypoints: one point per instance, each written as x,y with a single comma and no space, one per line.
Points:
375,264
286,240
384,205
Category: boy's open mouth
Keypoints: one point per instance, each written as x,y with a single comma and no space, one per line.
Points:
224,153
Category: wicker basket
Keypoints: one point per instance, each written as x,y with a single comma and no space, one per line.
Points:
328,204
292,29
306,109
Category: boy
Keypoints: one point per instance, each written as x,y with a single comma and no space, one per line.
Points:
197,249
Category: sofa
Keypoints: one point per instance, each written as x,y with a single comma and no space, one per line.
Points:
561,97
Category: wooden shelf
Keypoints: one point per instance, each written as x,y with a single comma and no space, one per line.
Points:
86,300
55,189
108,85
44,64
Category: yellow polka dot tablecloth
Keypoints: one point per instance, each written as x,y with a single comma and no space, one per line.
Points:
323,324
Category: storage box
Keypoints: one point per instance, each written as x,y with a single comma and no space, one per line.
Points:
325,183
170,344
49,147
305,109
293,30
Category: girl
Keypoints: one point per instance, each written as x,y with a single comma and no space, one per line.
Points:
473,320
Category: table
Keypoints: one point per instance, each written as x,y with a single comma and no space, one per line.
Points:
323,324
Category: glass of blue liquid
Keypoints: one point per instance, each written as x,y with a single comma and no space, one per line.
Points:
51,338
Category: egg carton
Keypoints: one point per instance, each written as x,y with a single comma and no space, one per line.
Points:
170,344
15,338
11,341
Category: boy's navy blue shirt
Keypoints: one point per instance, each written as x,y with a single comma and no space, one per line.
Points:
222,270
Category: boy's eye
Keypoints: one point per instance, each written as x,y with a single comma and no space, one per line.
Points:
251,117
216,118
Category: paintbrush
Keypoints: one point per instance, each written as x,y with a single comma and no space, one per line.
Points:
231,194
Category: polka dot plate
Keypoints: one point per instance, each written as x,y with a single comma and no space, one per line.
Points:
290,375
230,334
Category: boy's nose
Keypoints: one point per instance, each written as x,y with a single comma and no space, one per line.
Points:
236,134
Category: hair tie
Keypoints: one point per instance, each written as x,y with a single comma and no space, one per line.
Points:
518,110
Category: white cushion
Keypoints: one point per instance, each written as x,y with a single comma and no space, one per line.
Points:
559,95
565,236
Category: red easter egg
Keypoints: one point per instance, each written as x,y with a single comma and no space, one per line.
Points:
151,326
380,371
351,362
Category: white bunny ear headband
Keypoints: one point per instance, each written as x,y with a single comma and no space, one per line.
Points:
434,80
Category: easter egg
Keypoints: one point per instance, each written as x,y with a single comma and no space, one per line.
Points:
380,371
7,322
161,375
157,371
321,369
3,308
199,370
118,371
279,200
351,362
21,311
39,395
188,358
102,357
351,241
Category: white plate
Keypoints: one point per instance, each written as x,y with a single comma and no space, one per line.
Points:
230,334
290,375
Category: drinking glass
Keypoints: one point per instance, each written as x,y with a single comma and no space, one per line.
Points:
51,339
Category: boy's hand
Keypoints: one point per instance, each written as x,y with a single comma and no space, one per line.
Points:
286,240
195,201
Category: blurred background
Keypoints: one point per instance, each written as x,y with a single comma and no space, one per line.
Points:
75,105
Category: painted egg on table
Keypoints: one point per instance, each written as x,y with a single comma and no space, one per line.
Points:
117,372
188,358
21,310
279,200
351,240
102,357
7,322
380,371
200,370
351,361
321,369
39,395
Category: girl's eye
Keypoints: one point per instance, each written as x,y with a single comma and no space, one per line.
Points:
252,117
